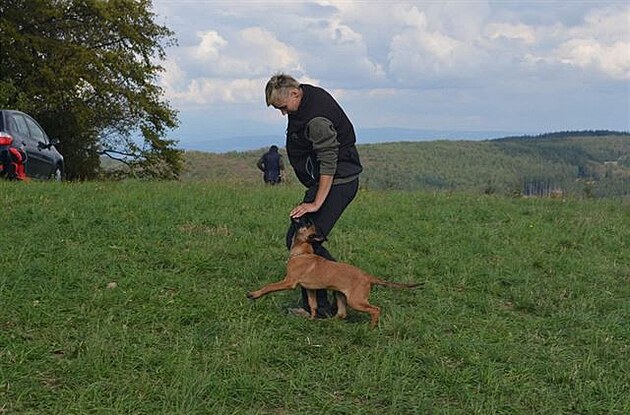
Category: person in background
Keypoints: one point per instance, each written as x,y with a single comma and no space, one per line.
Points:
271,165
320,145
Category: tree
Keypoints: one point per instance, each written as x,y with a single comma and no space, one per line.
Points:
87,71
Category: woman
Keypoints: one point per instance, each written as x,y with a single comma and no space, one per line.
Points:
321,149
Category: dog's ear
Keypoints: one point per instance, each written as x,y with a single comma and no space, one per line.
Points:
301,222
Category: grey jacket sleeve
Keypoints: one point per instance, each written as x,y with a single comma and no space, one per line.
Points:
321,132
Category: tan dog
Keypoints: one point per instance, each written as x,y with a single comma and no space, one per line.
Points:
351,285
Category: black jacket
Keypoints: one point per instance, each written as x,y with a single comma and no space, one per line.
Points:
317,105
271,164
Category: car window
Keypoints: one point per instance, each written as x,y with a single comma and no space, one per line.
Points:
19,123
11,125
36,133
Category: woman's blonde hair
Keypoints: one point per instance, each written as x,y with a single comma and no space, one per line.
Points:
279,85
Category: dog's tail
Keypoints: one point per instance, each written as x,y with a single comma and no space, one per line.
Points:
379,281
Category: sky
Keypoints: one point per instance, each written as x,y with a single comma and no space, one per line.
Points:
441,67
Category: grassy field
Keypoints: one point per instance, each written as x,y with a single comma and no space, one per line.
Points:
129,298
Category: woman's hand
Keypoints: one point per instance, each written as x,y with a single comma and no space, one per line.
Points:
302,209
325,183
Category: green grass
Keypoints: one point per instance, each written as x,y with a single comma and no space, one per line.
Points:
525,308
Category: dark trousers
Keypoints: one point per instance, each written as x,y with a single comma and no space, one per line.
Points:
324,219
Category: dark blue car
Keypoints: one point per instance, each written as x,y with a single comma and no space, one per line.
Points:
43,159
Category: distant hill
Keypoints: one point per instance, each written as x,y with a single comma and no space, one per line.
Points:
222,144
580,164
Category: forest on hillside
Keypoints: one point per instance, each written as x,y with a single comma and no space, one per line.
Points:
582,164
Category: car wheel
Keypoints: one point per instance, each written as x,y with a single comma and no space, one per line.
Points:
57,175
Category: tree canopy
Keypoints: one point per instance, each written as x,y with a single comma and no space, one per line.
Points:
87,71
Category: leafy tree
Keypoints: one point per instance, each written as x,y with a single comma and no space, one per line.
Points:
87,70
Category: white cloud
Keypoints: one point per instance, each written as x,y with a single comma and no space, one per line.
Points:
173,77
383,58
206,91
599,44
419,51
226,68
209,47
613,60
509,31
261,50
247,52
608,24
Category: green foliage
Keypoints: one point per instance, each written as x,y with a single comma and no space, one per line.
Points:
525,307
531,167
86,70
560,165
